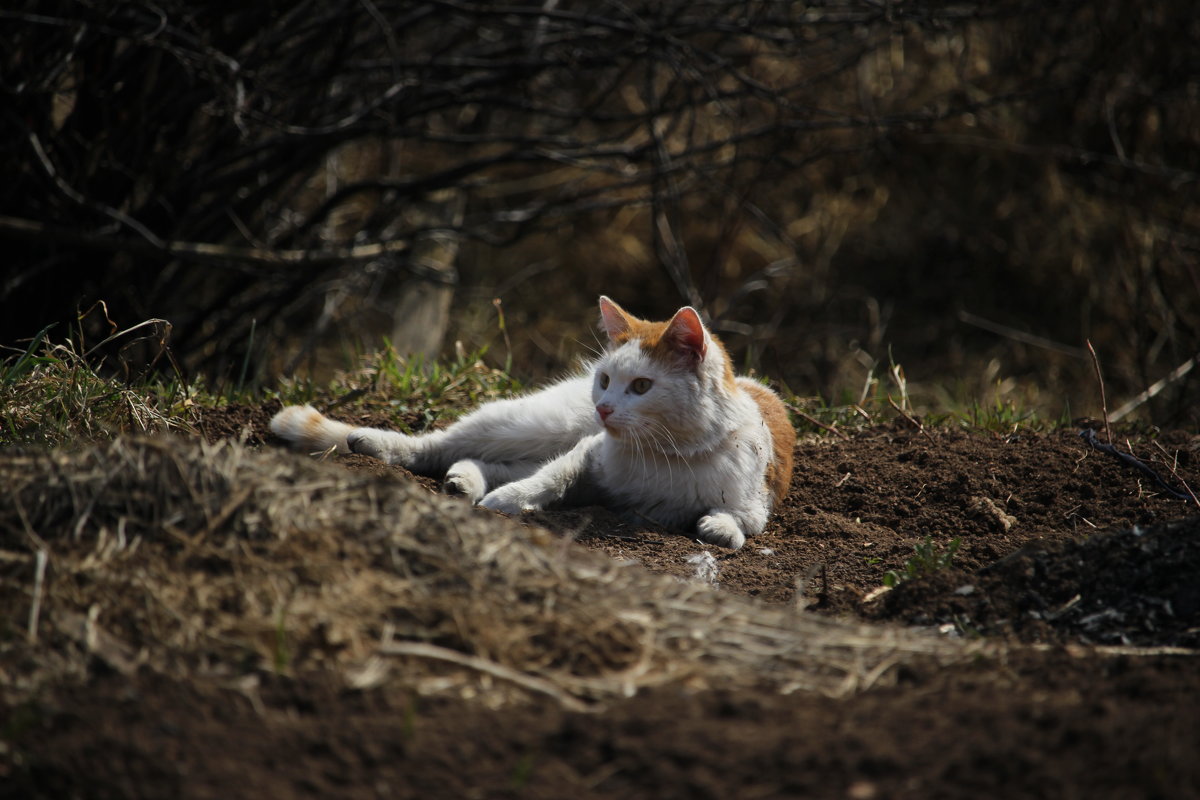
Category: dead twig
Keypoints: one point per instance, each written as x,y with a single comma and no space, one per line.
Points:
1155,388
910,419
1170,462
202,252
811,420
802,584
35,609
1089,436
531,682
1019,336
111,650
1100,381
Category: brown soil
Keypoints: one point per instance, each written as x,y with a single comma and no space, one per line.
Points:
1080,569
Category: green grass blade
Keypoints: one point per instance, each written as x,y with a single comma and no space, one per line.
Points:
27,359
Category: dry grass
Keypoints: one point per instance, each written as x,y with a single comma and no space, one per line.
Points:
214,562
58,392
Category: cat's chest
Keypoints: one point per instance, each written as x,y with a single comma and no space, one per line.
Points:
709,478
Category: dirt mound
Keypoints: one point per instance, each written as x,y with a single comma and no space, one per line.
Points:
203,559
1117,587
858,507
197,619
241,422
1049,726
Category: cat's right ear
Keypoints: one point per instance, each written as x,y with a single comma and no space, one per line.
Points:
615,320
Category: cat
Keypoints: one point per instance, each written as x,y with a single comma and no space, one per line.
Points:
658,428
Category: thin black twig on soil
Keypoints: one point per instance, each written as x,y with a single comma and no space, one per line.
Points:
1089,436
1170,462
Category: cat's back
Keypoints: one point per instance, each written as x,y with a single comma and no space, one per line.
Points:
783,435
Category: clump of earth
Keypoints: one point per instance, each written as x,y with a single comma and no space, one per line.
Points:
1076,575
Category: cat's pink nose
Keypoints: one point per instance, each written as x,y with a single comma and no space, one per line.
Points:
603,411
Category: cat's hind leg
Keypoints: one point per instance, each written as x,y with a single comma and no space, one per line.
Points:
309,430
471,478
531,428
388,446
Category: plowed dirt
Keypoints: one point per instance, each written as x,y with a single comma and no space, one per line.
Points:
1087,568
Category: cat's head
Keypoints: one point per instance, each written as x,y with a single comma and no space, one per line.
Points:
663,380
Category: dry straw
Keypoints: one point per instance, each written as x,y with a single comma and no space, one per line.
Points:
213,561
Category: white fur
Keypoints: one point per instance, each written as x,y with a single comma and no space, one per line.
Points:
307,429
689,453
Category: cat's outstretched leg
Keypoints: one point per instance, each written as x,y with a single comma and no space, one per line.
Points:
532,428
471,478
310,430
535,427
391,447
563,478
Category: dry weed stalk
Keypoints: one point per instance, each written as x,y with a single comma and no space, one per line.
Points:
1171,463
910,419
811,420
210,561
1103,401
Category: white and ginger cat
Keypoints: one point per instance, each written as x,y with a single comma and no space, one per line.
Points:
658,428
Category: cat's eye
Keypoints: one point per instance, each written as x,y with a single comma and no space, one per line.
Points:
640,385
603,380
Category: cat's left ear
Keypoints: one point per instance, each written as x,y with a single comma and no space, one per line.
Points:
685,334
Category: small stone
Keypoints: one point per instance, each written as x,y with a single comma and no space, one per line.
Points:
988,509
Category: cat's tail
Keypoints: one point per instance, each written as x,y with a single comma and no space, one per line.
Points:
308,429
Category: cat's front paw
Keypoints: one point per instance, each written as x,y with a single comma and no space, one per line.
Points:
721,530
387,446
465,479
509,499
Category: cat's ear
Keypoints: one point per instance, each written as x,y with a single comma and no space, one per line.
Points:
615,320
685,334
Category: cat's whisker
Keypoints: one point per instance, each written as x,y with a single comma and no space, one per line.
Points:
657,450
670,439
656,443
663,433
596,350
641,450
667,446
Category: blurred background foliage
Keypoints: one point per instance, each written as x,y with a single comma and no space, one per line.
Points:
970,190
